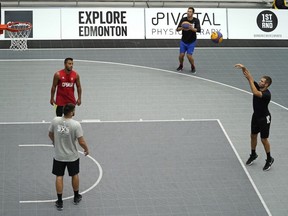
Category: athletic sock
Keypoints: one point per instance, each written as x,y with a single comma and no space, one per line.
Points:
59,197
253,152
76,193
268,156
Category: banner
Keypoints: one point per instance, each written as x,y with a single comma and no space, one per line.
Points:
102,23
161,23
257,24
146,23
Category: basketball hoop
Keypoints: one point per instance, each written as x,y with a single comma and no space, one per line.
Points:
18,33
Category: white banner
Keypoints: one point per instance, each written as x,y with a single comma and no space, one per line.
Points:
46,26
149,23
161,23
103,23
257,24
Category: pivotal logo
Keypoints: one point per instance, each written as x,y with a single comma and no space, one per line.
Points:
267,21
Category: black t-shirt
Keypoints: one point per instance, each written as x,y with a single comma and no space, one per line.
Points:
190,36
260,105
280,4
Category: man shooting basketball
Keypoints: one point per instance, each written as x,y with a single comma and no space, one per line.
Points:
261,118
64,81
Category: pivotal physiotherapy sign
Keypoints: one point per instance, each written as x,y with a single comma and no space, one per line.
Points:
103,23
257,24
161,23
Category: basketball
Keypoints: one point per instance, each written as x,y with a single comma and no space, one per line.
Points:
217,37
185,25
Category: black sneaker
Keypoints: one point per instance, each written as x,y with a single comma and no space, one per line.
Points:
251,159
59,205
180,68
77,199
268,164
193,69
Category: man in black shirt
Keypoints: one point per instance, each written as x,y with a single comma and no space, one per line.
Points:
261,118
279,4
189,26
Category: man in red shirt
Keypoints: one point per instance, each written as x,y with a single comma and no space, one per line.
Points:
64,81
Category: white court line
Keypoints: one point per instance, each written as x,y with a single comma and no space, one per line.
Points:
35,145
111,121
70,197
181,74
19,123
245,170
146,120
119,121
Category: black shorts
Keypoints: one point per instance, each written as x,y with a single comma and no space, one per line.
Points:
59,167
59,111
261,125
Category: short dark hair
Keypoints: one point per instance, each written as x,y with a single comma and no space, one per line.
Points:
191,8
68,59
68,108
268,80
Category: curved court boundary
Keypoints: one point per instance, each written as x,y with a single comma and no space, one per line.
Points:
70,197
146,67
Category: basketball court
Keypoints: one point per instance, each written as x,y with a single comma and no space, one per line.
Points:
161,142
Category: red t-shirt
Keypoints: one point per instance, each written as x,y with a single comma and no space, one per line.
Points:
65,88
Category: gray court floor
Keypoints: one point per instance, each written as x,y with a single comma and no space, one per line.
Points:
149,168
132,84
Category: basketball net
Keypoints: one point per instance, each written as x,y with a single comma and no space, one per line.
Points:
18,33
